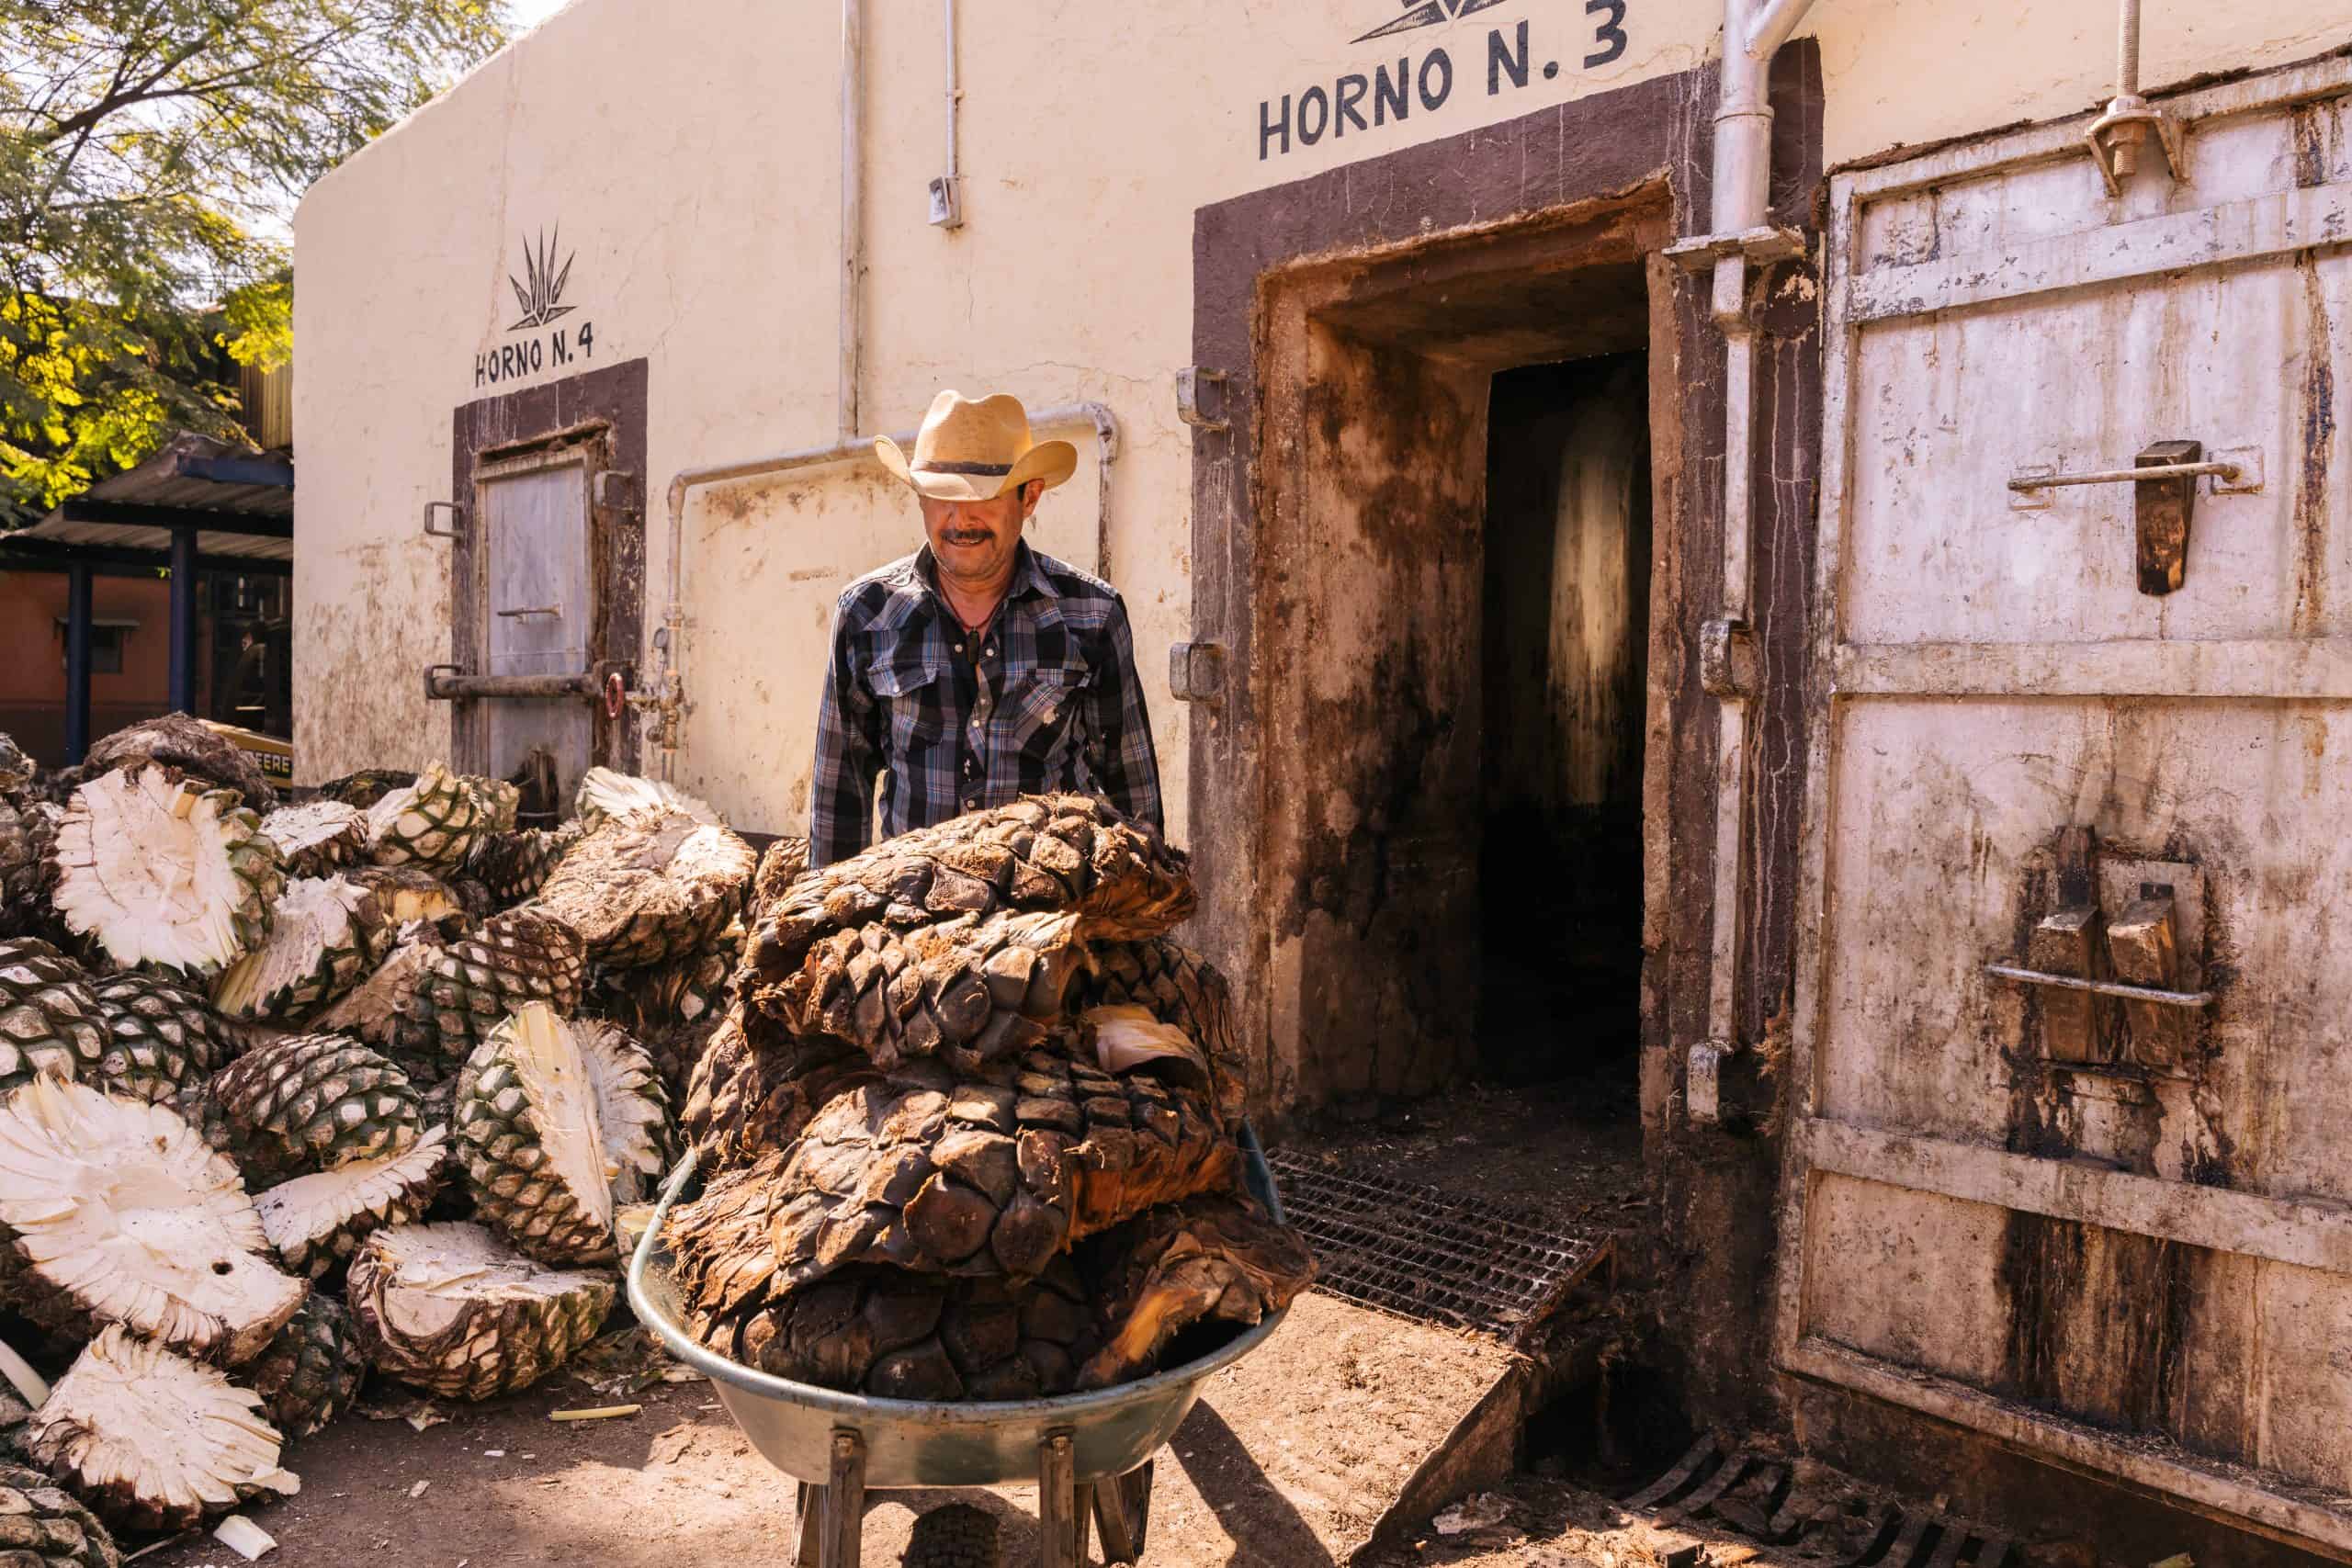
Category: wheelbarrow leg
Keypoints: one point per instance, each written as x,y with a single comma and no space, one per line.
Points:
1057,1533
1122,1513
844,1510
811,1525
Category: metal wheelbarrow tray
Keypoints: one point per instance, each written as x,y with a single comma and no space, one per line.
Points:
1090,1453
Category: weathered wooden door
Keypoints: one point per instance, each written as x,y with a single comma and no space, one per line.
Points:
539,607
2113,1227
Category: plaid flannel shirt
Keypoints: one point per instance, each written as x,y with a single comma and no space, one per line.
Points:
1044,698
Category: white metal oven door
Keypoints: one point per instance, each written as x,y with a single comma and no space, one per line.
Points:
2073,1045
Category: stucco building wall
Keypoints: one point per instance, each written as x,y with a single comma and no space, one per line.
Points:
686,162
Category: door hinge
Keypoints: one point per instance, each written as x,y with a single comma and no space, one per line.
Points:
1190,382
617,490
1727,660
1196,672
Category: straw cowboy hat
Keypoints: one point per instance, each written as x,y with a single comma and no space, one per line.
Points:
973,450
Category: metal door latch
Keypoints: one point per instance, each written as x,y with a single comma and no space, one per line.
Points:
456,529
2163,484
1189,382
555,610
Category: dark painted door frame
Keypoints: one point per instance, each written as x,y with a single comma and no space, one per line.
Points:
606,407
1580,155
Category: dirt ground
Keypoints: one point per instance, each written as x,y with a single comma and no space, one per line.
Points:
1286,1462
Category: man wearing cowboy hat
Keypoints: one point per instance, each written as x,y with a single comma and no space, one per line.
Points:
976,670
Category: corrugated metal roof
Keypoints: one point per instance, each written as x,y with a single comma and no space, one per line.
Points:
135,536
192,473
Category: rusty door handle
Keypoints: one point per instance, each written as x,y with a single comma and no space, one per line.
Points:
556,610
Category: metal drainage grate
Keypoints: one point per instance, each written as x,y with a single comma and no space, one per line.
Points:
1422,1252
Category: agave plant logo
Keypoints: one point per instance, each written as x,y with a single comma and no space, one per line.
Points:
1426,14
540,292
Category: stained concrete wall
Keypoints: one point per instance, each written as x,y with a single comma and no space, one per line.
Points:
685,161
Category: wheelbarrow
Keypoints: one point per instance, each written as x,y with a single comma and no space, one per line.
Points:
1091,1454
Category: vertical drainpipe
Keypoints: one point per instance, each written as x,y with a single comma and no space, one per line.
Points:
1740,235
852,208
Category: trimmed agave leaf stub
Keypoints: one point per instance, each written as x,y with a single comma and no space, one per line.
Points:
650,889
1177,987
315,1102
604,794
782,863
309,1374
432,823
162,1036
44,1526
164,876
318,1221
152,1440
632,1109
50,1019
472,986
121,1214
325,934
454,1311
317,838
533,1147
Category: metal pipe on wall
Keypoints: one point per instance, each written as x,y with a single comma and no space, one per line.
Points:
955,92
852,324
669,693
1740,235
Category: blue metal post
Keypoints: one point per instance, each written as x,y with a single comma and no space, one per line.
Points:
77,662
182,685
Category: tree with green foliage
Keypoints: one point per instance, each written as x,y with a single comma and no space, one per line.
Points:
149,150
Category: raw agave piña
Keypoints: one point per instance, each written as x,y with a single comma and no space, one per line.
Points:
649,888
162,1036
317,1221
162,874
324,935
605,794
432,823
44,1526
49,1020
454,1311
152,1440
545,1117
317,838
121,1213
